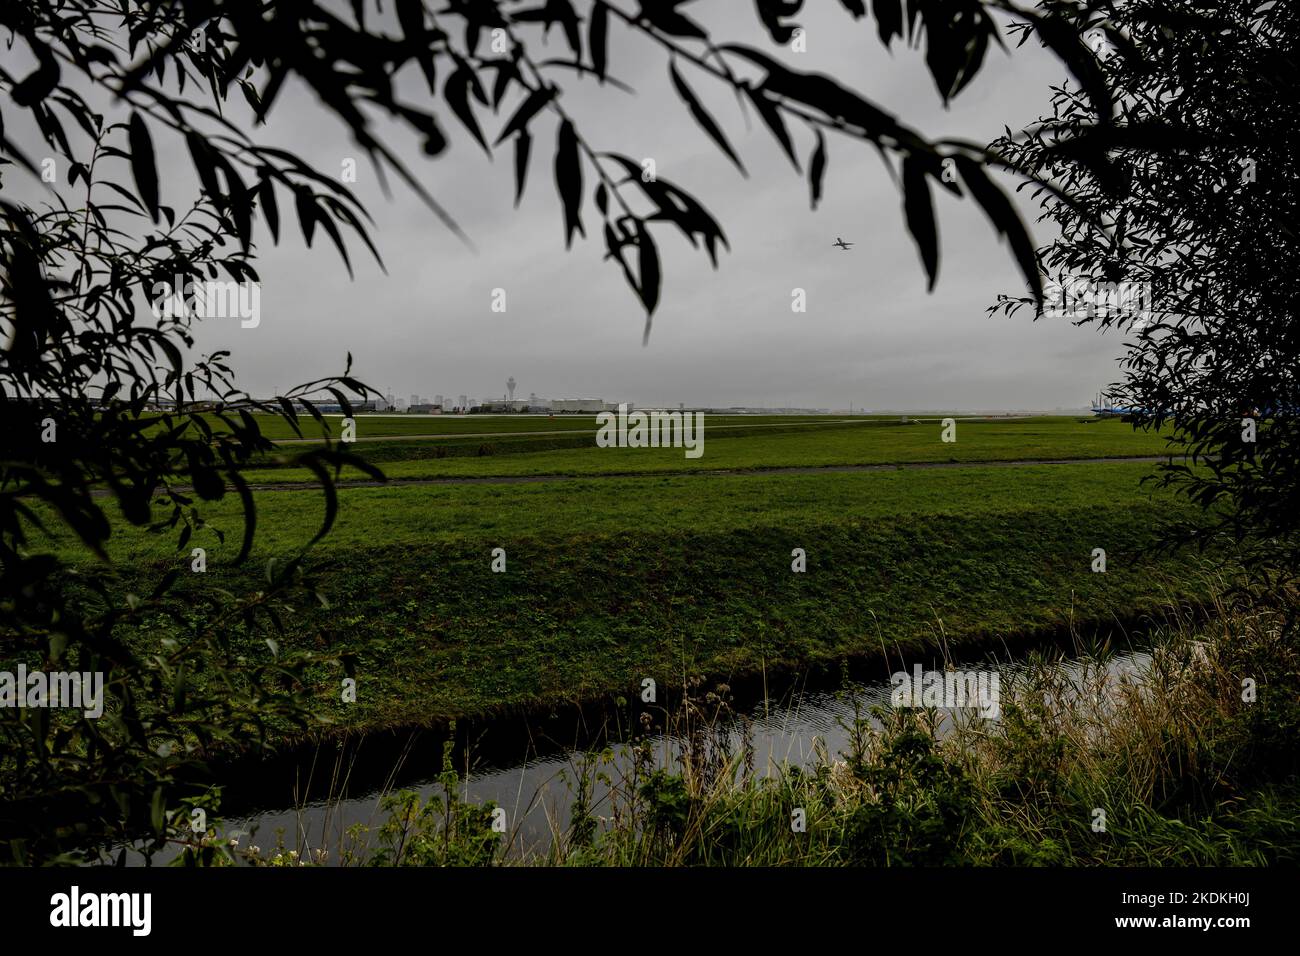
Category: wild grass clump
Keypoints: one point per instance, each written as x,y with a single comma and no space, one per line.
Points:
1194,762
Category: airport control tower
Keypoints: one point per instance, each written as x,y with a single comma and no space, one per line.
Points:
510,384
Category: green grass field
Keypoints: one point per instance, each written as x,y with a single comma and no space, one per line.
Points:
496,515
672,573
802,445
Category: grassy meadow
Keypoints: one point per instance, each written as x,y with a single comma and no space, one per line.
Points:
730,445
641,564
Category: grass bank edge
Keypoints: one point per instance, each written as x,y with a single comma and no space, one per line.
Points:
436,639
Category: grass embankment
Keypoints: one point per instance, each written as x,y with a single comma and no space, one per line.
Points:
611,581
793,445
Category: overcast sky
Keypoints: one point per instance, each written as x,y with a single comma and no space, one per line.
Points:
871,335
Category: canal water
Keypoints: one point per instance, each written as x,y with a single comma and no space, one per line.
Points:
312,800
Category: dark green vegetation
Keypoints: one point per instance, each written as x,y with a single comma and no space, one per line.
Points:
610,580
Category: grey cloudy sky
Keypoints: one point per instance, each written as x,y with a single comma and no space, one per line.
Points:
871,336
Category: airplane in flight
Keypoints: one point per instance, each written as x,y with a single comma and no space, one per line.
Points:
841,243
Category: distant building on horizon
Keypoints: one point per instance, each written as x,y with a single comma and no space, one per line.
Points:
580,405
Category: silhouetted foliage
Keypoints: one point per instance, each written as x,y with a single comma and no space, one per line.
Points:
1184,217
103,406
481,49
